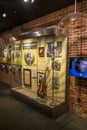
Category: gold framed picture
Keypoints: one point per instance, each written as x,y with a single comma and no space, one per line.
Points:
41,51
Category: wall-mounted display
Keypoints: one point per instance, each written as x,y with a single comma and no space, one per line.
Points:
50,49
10,48
54,48
58,48
27,77
29,57
29,54
16,54
4,53
41,51
34,72
56,65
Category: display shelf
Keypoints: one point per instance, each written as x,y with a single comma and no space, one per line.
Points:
40,104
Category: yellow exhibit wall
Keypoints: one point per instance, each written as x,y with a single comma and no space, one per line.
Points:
29,64
52,70
29,52
59,90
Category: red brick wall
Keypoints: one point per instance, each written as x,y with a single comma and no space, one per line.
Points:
77,96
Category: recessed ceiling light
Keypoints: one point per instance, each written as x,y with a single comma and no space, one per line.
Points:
25,0
32,1
4,15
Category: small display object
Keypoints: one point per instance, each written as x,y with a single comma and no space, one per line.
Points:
27,77
78,67
55,82
41,51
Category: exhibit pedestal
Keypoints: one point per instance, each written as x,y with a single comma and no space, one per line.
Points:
39,104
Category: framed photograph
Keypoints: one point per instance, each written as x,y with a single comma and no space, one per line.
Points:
27,77
54,49
56,65
58,49
40,78
50,49
29,57
41,51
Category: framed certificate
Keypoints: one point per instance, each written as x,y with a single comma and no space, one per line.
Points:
27,77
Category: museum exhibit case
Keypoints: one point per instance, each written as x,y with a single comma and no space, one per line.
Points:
43,69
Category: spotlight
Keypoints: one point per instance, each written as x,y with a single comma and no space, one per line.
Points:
32,1
4,15
25,1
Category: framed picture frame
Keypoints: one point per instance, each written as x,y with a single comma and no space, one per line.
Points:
54,49
40,78
50,49
41,51
58,49
56,65
27,77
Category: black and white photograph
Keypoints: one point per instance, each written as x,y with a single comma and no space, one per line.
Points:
40,78
29,57
54,49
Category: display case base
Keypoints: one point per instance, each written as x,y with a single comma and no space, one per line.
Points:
42,105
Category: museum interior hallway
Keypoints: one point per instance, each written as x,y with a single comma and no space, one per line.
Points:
15,115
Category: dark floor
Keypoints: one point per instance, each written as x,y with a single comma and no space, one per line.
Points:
15,115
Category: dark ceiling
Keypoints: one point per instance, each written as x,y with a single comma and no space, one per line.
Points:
19,12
